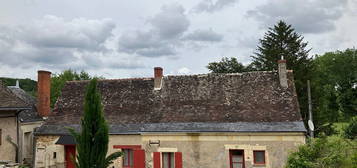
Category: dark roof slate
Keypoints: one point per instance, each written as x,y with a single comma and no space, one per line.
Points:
8,100
28,115
183,127
252,97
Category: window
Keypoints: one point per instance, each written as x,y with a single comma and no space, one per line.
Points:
0,136
236,158
133,155
259,157
128,158
168,160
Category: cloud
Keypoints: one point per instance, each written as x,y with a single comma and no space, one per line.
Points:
56,43
80,33
313,16
204,35
170,22
167,27
166,34
210,6
183,71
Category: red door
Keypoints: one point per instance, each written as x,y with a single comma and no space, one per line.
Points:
70,151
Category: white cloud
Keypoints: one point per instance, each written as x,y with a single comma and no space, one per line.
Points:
171,21
162,38
313,16
58,43
210,6
207,35
183,71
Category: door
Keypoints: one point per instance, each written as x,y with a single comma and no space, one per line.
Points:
236,158
70,151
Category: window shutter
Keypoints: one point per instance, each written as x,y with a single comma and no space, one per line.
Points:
178,160
157,163
139,158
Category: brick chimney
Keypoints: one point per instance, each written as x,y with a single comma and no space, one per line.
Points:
282,73
43,93
158,75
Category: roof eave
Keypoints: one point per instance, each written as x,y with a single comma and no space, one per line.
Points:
14,108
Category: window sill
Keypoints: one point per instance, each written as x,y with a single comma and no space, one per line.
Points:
259,165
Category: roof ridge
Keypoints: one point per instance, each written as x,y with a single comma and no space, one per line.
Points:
117,79
188,75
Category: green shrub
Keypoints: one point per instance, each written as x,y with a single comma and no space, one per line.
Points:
324,152
350,131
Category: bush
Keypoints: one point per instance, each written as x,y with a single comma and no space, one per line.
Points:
324,152
350,131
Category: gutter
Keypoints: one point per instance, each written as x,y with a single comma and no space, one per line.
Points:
14,108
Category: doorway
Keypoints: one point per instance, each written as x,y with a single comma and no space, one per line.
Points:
236,158
70,154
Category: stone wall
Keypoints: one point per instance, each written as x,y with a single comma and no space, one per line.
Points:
206,150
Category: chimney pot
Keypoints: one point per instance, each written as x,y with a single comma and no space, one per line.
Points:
158,74
17,84
282,73
43,92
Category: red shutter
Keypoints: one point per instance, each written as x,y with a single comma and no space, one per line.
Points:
178,160
139,158
157,163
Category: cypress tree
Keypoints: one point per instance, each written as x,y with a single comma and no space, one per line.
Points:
282,41
92,142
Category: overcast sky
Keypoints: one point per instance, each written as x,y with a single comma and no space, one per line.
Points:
127,38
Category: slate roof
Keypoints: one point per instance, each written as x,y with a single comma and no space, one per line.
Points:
223,100
9,100
30,115
191,127
14,98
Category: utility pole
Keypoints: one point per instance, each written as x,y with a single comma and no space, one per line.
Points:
310,122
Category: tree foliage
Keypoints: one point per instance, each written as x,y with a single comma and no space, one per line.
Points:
92,142
228,65
282,41
324,152
58,81
334,88
350,131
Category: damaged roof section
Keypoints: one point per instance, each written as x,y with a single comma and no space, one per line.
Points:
212,98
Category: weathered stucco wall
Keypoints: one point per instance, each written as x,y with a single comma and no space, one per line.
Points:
198,150
45,148
212,150
8,128
26,141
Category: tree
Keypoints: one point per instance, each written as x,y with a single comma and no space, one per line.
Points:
92,142
58,81
334,87
281,41
228,65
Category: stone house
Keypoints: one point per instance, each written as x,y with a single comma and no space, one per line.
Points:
238,120
18,118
